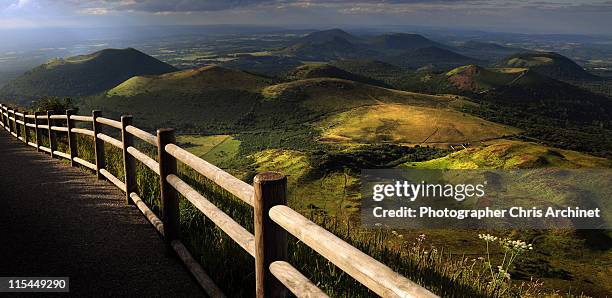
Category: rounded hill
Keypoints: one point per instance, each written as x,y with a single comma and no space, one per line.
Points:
83,75
327,95
549,64
332,49
191,81
210,98
402,41
324,36
312,71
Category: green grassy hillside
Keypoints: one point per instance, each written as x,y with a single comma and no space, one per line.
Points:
373,69
562,258
203,100
547,109
312,71
549,64
215,100
265,65
219,150
540,95
510,154
82,75
190,81
474,78
280,126
533,92
324,96
405,124
430,57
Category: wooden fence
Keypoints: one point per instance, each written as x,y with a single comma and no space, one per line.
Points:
268,197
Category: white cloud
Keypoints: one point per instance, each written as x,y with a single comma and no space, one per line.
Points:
19,4
94,11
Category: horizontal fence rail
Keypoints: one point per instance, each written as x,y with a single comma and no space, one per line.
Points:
274,220
228,182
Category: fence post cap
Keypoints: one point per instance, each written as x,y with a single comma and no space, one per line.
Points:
269,177
165,130
126,120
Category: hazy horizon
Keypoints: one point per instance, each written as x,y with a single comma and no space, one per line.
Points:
529,16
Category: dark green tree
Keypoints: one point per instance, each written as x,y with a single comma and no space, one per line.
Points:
55,104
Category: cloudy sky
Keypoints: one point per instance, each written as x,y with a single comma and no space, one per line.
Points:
541,16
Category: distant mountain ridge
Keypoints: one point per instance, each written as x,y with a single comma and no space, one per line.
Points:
403,49
323,36
331,48
83,75
487,50
402,42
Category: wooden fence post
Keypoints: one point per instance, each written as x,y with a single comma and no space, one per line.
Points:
5,121
26,134
129,163
17,130
5,118
270,239
98,145
72,142
169,196
8,120
36,131
2,115
52,139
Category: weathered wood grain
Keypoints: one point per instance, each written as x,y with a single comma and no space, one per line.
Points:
225,222
230,183
295,281
365,269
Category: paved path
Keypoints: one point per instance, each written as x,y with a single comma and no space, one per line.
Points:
56,220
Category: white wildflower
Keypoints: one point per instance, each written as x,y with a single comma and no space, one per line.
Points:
487,237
